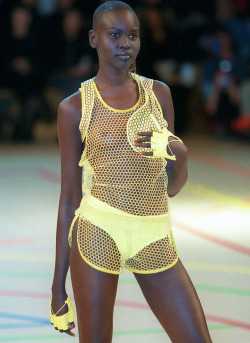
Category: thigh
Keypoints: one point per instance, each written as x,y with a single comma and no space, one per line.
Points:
174,301
94,293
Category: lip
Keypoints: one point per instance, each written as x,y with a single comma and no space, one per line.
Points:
124,54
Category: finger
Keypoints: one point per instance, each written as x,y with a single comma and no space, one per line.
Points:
68,332
143,145
143,139
148,133
145,153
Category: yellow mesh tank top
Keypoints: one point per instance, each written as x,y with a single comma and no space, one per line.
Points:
123,190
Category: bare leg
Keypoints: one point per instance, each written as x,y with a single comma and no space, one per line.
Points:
174,301
94,293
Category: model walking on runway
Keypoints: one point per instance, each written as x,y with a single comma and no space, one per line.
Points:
120,218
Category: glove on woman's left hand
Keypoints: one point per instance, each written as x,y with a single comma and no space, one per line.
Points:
158,142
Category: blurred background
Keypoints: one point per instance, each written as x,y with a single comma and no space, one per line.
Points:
199,48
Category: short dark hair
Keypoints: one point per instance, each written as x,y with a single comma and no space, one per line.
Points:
110,6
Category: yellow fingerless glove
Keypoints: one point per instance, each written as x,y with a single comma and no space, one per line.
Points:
62,322
159,143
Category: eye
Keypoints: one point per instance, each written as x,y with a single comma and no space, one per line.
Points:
115,35
133,36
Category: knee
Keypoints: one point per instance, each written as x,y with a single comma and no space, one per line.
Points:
95,336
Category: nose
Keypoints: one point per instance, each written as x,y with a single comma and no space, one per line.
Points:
124,43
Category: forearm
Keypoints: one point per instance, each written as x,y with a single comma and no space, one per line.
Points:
65,217
177,172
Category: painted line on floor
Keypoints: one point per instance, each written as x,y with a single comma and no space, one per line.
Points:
228,321
217,319
130,304
209,193
115,333
212,238
27,257
199,287
212,267
24,321
10,242
219,163
189,187
48,175
221,289
25,294
202,287
24,317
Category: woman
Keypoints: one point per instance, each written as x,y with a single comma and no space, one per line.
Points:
130,169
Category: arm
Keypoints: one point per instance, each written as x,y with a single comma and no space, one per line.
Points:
69,115
177,170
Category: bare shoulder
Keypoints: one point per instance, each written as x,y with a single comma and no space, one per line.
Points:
70,108
163,94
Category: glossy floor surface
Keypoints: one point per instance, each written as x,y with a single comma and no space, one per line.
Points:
211,226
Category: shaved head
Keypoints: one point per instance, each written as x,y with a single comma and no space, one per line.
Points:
110,6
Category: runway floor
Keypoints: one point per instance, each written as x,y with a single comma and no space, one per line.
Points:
211,226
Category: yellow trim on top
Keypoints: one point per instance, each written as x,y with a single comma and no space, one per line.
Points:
114,109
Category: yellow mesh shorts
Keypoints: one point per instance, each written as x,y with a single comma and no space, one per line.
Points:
100,250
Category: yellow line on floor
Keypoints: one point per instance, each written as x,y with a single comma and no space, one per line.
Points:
215,195
226,268
27,257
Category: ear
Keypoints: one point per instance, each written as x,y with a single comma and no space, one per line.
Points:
92,38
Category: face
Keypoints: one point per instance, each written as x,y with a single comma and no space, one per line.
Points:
116,38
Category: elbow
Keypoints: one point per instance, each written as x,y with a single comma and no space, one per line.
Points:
177,187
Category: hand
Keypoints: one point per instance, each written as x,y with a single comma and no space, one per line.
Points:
62,314
158,142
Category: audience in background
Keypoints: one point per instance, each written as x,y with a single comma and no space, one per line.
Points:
222,72
45,55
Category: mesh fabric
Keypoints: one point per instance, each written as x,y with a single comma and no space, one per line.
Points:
125,219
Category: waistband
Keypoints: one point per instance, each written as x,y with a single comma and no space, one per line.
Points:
107,217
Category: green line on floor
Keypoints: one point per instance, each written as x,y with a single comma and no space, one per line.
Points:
123,280
115,333
28,275
221,289
207,288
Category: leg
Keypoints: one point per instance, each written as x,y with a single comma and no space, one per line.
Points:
174,301
94,293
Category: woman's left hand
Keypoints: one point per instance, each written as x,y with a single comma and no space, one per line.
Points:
159,142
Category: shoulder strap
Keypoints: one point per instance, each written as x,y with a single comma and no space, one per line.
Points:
147,83
88,97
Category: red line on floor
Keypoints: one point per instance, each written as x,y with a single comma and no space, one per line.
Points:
219,163
122,303
212,238
9,242
48,175
25,294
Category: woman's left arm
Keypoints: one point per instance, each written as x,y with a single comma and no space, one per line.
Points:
177,170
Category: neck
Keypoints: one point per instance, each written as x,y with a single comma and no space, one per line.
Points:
112,77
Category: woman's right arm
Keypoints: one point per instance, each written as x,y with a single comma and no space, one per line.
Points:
69,116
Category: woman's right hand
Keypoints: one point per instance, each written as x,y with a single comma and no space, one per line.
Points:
64,319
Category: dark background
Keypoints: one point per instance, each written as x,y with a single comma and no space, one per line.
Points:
200,48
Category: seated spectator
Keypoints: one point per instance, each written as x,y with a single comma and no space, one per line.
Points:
74,55
20,70
222,72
